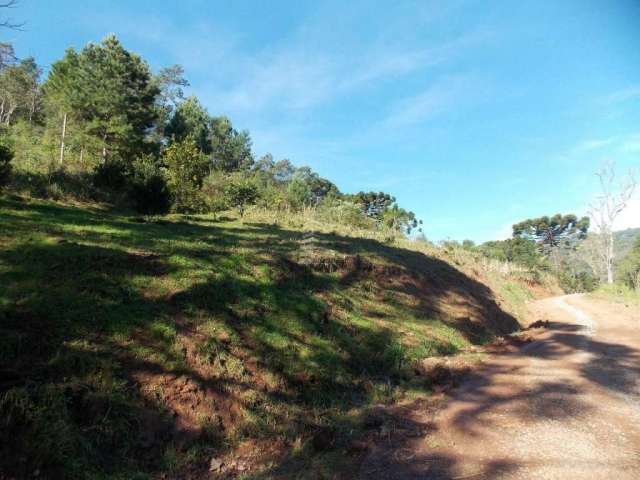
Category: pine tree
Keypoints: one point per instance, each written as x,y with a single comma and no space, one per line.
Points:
110,92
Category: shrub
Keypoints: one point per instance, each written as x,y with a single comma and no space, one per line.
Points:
6,155
272,197
110,175
577,282
213,192
186,169
240,194
343,212
468,244
629,271
298,193
517,250
148,187
394,357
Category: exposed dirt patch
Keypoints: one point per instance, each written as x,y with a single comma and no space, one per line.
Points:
563,404
442,374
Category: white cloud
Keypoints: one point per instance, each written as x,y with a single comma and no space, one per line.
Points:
443,96
288,79
623,95
593,144
293,77
616,146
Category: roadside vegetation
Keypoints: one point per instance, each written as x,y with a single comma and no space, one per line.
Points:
563,248
627,287
174,304
136,345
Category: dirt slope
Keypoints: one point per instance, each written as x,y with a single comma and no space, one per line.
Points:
194,347
566,406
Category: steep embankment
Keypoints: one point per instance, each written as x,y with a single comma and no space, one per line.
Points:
140,346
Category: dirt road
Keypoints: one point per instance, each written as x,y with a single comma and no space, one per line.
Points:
566,406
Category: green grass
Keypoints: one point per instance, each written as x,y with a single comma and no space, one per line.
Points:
516,295
617,293
112,326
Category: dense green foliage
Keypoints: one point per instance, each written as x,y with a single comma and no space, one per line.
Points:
190,119
383,209
186,168
629,268
149,189
547,245
6,155
239,194
102,125
576,281
110,92
522,251
19,92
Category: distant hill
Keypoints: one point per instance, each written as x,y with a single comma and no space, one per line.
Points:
624,241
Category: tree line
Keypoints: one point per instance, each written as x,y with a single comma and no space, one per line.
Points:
564,246
101,113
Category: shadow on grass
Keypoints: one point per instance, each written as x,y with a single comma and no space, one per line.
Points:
124,340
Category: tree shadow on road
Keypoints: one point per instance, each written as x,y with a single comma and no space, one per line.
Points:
490,394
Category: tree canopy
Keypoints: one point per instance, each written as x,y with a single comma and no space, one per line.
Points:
548,232
522,251
103,112
191,119
19,90
109,89
230,149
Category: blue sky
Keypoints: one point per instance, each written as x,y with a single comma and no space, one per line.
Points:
474,114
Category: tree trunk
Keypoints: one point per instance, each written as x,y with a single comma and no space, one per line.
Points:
610,257
104,147
64,131
81,154
32,109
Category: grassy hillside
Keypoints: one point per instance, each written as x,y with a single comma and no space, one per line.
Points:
136,347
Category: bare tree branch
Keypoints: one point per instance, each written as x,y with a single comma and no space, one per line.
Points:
607,207
8,22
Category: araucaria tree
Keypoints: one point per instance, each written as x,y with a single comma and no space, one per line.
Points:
606,208
550,232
